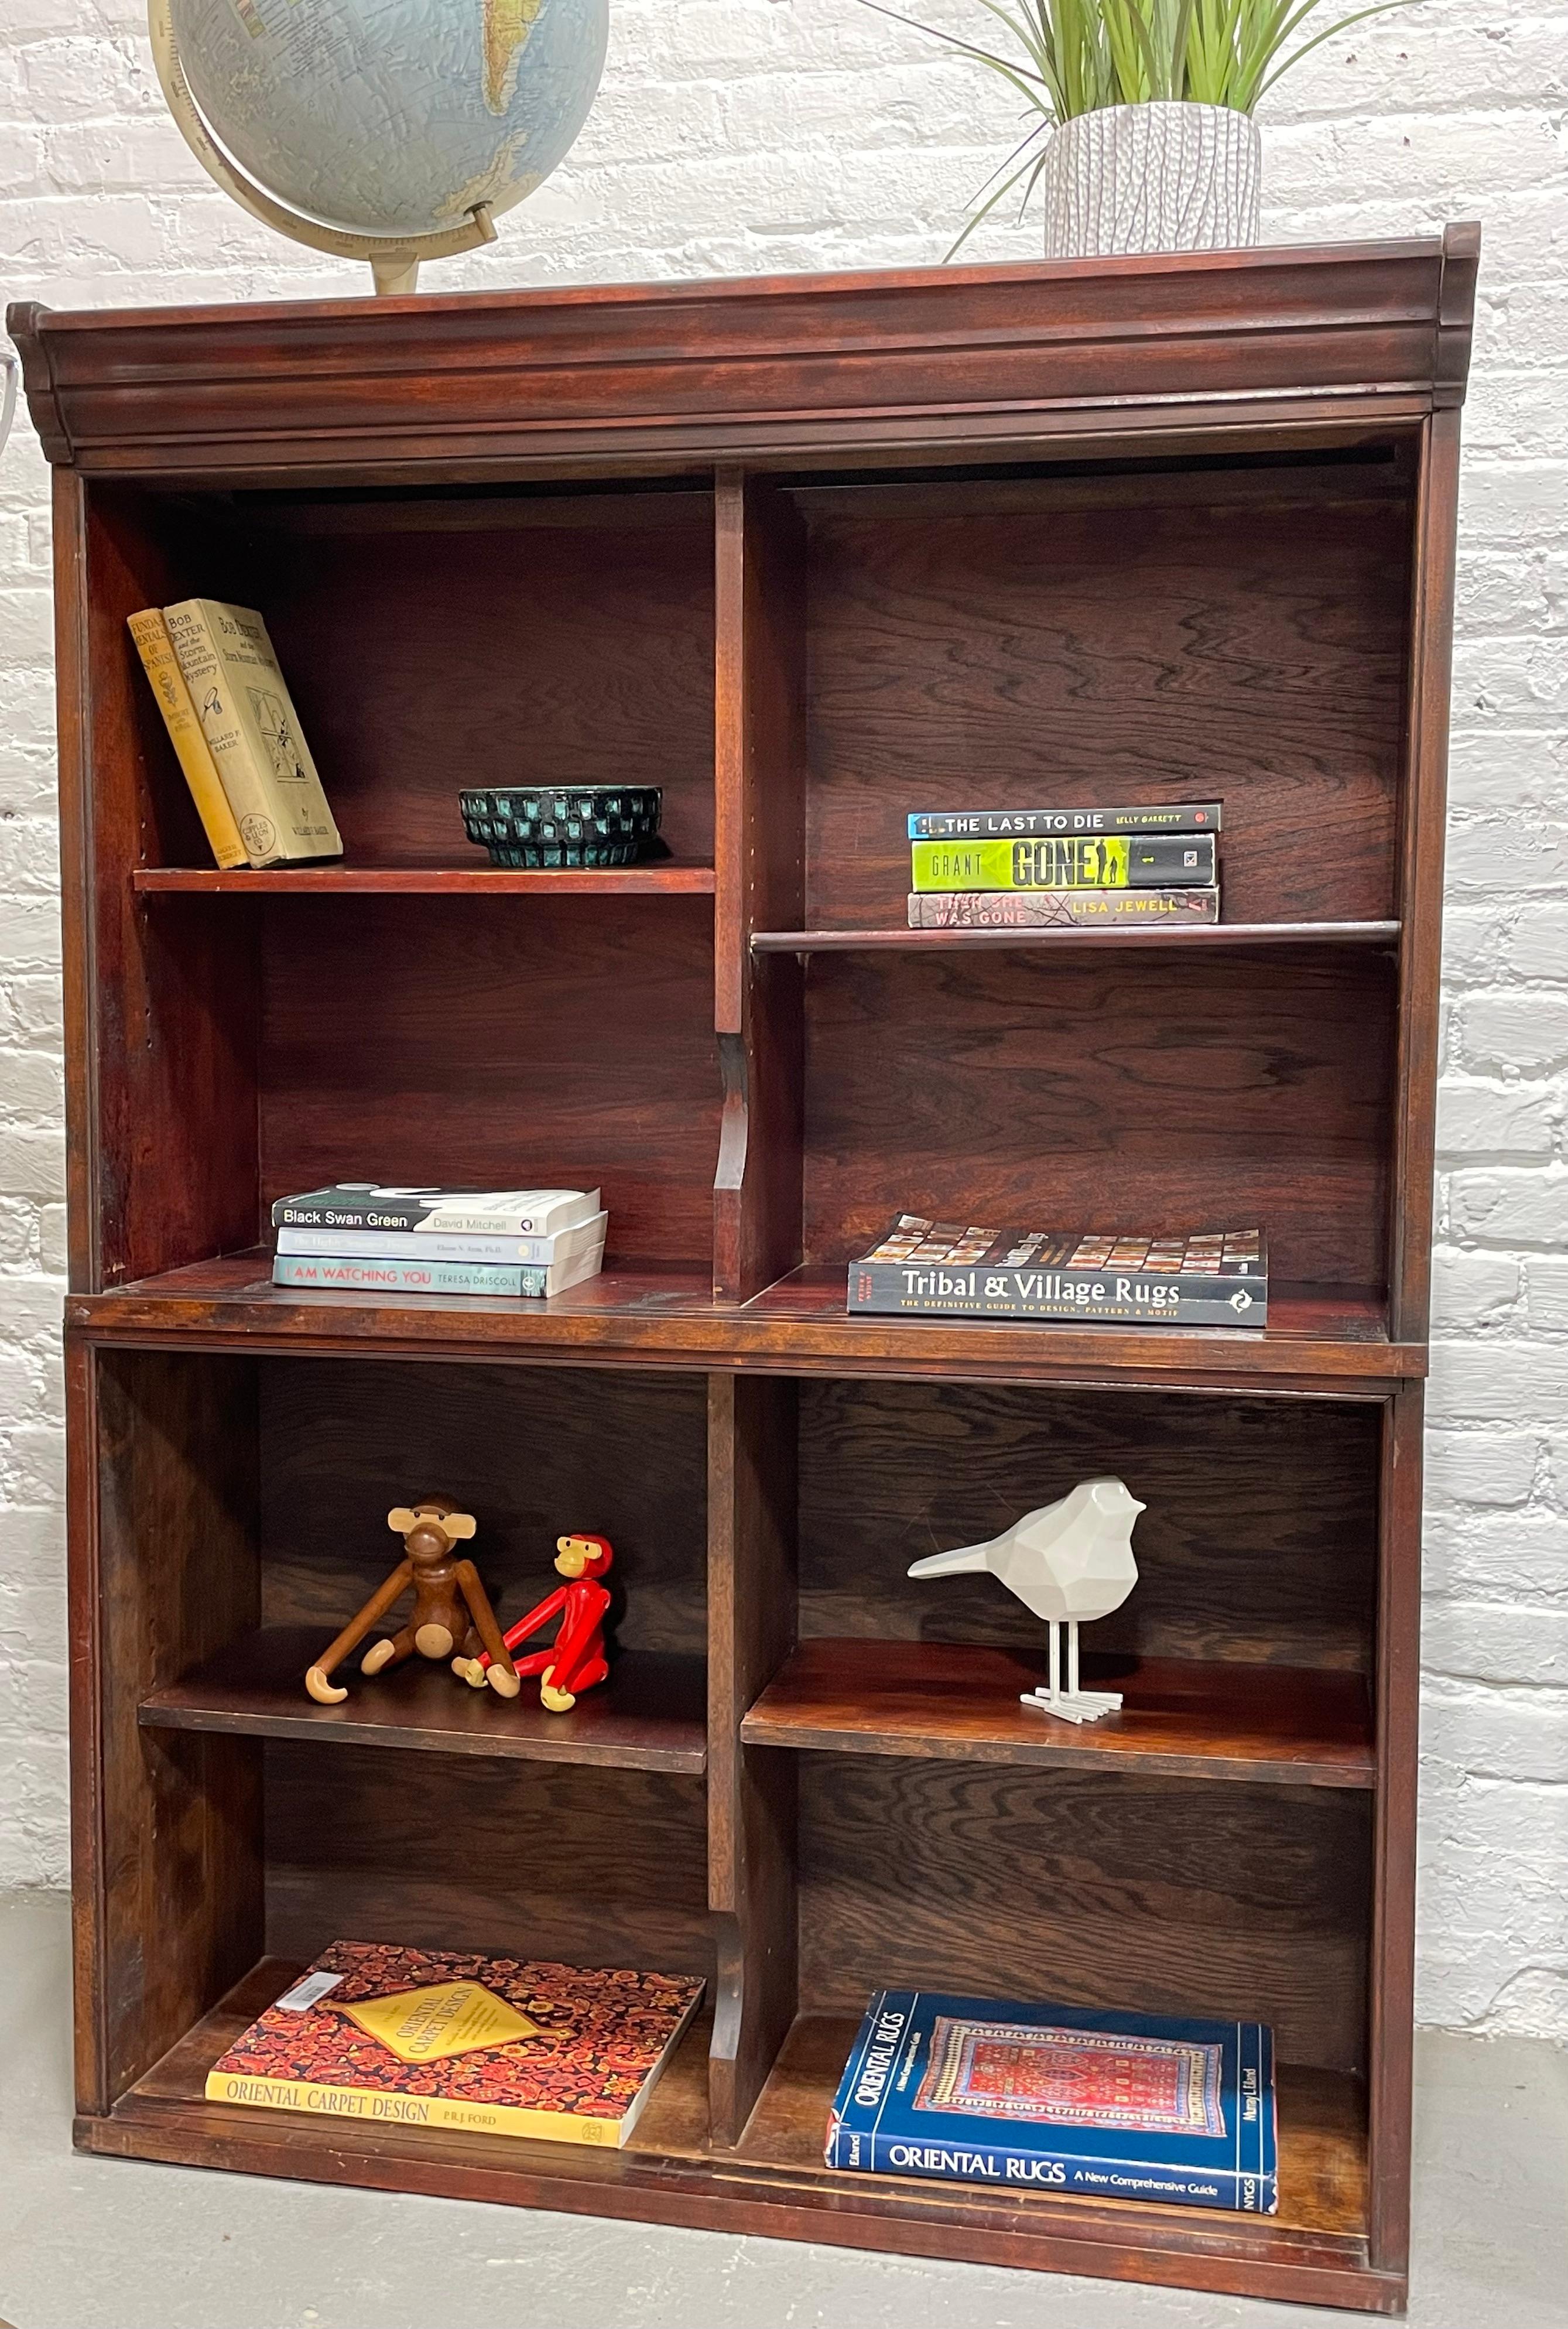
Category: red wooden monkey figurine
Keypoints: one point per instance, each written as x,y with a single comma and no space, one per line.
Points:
577,1662
451,1607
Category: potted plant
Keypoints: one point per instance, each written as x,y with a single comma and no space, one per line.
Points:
1141,135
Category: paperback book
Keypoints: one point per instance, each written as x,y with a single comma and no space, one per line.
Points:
433,1211
405,1275
452,1244
1109,862
941,1268
1060,2099
494,2045
1032,823
1063,909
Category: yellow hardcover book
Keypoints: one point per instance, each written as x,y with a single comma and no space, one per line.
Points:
401,2037
150,633
253,731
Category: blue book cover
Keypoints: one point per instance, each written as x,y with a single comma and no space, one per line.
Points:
1105,2106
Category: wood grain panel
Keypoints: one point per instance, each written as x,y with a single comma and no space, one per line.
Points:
552,1042
1067,658
960,1702
1259,1541
594,1867
529,1451
174,1832
1174,1896
751,1791
1104,1094
163,1015
544,656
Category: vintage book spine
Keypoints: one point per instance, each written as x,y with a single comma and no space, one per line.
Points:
1065,910
1036,2168
343,1273
162,665
1039,824
1109,862
431,1245
252,729
395,2109
934,1289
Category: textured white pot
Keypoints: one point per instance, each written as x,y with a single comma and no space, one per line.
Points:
1151,177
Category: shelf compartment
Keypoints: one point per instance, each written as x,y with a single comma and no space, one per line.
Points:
650,1716
1217,937
958,1702
1314,2250
664,1314
661,880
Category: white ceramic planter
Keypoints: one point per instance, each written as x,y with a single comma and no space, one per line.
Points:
1151,177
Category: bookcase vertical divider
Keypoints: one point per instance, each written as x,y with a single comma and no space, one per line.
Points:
1420,873
751,1790
759,868
1397,1698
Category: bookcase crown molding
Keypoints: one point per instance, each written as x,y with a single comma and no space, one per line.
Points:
796,367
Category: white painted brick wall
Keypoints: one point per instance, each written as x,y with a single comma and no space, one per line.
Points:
737,137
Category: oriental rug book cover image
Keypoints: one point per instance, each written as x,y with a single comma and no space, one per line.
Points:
1060,2099
495,2045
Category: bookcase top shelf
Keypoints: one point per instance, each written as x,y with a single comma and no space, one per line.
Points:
794,369
664,1314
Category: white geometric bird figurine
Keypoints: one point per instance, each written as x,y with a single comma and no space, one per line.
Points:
1070,1562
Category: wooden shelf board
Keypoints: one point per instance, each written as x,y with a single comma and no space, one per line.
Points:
959,1702
664,1314
650,1716
661,880
1207,938
775,2183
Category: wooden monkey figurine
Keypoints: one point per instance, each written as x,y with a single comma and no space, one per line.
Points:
451,1607
577,1662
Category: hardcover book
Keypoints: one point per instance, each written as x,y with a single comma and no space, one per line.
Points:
1112,862
495,2045
1033,824
1217,1277
1061,909
445,1213
405,1274
1060,2099
434,1245
167,681
253,731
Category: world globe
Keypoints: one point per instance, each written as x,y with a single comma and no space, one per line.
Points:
393,117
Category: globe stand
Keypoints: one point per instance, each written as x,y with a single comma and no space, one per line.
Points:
394,260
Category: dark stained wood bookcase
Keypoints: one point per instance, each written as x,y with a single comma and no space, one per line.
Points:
809,553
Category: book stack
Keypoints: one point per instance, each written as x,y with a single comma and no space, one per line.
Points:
234,727
1065,868
360,1237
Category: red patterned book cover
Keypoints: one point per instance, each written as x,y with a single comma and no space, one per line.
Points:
1073,2078
434,2038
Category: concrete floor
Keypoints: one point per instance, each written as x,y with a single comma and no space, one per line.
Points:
117,2244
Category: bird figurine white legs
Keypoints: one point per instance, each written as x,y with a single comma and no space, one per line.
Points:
1070,1562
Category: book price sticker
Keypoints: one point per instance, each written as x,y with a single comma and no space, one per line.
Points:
308,1992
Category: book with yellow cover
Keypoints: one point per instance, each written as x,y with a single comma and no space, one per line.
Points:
253,731
150,633
431,2037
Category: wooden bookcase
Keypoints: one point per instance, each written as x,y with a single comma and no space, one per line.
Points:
808,554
